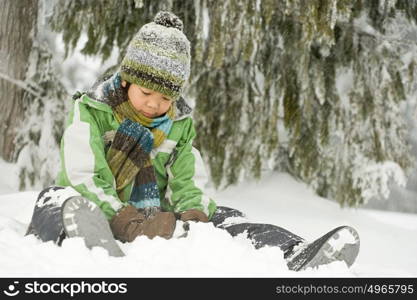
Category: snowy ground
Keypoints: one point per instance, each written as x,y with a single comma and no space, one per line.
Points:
388,240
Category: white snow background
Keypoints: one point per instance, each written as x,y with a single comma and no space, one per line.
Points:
388,240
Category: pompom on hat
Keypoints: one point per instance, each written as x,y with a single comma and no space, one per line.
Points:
158,57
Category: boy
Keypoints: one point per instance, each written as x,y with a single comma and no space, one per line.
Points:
128,167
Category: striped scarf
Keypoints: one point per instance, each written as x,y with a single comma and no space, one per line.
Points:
129,154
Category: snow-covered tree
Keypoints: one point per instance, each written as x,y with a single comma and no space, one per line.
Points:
17,20
38,95
314,88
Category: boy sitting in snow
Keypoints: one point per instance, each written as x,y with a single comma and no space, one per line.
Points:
128,167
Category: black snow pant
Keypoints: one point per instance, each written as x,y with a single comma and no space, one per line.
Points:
47,225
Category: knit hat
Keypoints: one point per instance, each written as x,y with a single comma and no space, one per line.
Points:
158,57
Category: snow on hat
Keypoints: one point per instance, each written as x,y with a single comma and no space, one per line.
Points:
158,57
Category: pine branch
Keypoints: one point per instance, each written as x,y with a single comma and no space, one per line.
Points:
22,84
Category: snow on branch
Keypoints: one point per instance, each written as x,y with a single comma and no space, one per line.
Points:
374,179
21,84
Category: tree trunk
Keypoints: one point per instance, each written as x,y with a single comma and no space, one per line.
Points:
17,29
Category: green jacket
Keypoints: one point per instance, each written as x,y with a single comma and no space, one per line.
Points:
179,169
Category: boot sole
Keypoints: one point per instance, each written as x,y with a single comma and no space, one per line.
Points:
340,244
83,218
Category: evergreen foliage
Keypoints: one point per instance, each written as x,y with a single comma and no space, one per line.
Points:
38,136
314,88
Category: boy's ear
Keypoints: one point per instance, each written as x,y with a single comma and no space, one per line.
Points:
124,83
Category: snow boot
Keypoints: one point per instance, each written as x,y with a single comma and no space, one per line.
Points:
83,218
46,222
339,244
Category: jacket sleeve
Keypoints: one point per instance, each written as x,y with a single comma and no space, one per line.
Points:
83,161
187,176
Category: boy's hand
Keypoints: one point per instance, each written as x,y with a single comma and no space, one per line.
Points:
125,225
194,215
129,223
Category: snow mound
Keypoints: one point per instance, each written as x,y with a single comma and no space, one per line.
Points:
211,252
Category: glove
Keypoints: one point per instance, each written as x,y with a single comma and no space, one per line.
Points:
194,215
129,223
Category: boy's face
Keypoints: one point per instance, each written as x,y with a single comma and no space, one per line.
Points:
150,103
